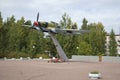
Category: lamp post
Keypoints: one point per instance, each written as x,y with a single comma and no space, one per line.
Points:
33,51
77,49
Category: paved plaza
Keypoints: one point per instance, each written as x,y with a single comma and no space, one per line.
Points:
42,70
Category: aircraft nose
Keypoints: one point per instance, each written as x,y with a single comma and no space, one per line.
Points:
36,24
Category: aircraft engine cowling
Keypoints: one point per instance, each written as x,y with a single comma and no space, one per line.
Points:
36,24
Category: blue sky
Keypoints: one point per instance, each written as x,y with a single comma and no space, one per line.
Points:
105,11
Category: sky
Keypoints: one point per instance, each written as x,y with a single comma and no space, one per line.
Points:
105,11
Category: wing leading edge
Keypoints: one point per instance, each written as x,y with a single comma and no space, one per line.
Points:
70,31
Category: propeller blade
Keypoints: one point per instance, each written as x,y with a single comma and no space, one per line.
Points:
37,16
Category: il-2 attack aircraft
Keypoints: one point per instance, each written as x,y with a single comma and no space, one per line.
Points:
53,28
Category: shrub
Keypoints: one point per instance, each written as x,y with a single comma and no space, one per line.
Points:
17,55
41,55
2,55
94,72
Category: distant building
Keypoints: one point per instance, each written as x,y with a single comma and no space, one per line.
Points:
117,38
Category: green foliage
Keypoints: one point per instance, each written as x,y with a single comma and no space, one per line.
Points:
2,55
84,25
42,55
97,38
113,44
17,40
66,21
68,42
84,48
94,72
28,22
1,20
94,41
17,55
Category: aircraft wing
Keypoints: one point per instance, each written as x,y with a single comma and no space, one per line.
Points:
70,31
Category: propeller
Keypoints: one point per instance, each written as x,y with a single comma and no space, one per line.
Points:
34,24
37,17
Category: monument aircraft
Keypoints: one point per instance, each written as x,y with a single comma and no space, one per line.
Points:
54,28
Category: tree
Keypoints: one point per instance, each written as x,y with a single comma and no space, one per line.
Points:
84,25
28,22
1,20
113,44
84,48
68,42
12,34
97,38
16,38
85,36
22,33
74,26
50,47
66,21
1,34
